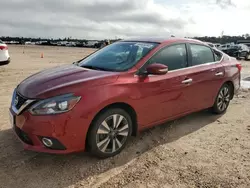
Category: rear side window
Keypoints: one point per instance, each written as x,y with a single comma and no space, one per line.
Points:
201,54
217,55
175,57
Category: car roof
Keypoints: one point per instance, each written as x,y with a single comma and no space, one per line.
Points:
162,40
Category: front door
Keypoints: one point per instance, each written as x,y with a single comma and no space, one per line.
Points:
164,96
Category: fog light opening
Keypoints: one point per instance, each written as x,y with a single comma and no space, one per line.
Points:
47,142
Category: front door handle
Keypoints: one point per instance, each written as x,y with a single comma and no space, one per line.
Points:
219,74
187,81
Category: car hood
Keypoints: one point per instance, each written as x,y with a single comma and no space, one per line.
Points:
56,78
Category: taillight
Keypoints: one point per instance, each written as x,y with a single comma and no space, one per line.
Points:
238,65
3,47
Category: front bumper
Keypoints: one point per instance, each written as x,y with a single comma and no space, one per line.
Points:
65,132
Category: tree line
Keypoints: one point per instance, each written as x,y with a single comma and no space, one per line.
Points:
222,40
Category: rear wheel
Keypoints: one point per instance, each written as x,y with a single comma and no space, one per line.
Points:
223,99
109,133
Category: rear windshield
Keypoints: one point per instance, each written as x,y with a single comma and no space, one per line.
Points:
1,42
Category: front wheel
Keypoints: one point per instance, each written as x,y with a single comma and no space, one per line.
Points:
247,57
223,99
109,133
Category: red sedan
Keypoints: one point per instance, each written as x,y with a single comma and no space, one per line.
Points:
95,104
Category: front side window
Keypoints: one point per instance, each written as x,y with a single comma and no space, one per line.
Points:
119,56
201,54
175,57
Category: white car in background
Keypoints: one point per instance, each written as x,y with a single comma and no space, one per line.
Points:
4,53
212,45
225,46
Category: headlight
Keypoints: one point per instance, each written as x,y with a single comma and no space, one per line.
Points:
55,105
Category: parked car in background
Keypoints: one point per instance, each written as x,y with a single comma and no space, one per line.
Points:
70,44
97,103
211,45
4,53
217,45
232,51
239,51
91,44
243,52
248,45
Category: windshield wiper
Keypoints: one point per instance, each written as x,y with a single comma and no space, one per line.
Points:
95,68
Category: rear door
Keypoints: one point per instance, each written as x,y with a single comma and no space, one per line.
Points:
206,75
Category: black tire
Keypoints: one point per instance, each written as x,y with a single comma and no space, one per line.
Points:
246,58
96,126
222,100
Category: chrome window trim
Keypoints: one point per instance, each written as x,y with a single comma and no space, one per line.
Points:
205,64
189,67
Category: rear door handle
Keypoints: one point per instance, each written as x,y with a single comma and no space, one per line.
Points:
219,74
187,81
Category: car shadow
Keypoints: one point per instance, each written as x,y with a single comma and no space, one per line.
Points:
20,168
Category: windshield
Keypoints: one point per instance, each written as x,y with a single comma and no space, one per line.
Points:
235,47
119,56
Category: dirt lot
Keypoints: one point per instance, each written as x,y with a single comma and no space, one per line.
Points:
200,150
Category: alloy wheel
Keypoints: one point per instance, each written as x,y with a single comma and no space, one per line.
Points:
223,99
112,133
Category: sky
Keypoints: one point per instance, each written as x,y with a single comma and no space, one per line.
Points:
104,19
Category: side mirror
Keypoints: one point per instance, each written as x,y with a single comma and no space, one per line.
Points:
157,69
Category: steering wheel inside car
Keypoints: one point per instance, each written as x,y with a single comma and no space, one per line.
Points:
119,58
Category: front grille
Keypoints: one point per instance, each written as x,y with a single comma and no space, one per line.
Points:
23,136
19,101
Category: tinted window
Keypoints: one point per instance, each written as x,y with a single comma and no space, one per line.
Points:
175,57
217,55
119,56
201,54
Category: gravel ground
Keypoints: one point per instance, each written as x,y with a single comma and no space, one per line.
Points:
199,150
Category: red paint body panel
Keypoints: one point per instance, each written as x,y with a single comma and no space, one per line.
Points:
155,99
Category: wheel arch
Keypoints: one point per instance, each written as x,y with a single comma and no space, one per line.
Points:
231,84
125,106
